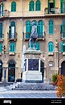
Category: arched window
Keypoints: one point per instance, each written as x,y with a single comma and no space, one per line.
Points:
0,47
1,64
38,5
62,46
28,29
51,27
12,47
40,29
62,6
1,9
11,71
12,30
31,5
50,47
1,29
13,6
62,30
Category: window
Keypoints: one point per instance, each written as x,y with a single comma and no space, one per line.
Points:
62,30
1,29
40,29
62,6
12,30
12,47
28,29
38,5
50,47
51,27
13,6
37,45
0,47
62,46
31,5
51,5
1,9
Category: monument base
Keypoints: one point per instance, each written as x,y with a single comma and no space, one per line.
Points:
32,76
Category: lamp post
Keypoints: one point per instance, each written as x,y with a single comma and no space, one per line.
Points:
4,68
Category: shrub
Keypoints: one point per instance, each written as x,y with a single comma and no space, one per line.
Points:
54,77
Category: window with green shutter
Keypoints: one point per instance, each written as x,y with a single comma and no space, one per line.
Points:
13,6
40,29
38,5
1,9
62,2
12,30
51,27
0,47
62,46
12,46
62,29
28,29
37,46
1,29
50,47
31,5
51,5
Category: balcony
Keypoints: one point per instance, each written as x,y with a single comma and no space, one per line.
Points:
54,12
5,13
12,53
12,37
62,36
1,38
40,37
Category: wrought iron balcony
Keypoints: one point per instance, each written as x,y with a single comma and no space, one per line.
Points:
41,37
54,11
4,13
62,36
1,38
12,37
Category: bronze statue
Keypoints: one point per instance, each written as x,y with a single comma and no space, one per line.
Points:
33,36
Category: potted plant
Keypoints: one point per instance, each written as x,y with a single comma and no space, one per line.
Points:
54,79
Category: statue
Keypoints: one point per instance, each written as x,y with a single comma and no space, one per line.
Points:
33,36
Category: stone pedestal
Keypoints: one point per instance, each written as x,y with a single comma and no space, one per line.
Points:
32,74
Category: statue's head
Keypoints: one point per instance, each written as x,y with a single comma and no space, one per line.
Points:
33,23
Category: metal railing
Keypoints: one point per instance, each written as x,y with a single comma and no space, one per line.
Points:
54,11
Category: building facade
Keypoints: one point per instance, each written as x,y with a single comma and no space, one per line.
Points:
16,17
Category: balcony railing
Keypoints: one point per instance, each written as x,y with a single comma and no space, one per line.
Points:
62,36
54,11
12,37
40,37
1,38
4,13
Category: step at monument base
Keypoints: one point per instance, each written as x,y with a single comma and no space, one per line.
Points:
32,76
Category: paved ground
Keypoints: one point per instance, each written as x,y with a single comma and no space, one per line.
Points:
5,93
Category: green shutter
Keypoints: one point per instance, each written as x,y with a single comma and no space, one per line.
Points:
13,6
12,47
28,29
2,9
51,27
38,5
61,46
40,29
0,47
31,5
37,46
1,29
60,28
50,47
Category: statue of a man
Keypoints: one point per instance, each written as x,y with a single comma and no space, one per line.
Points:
33,35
